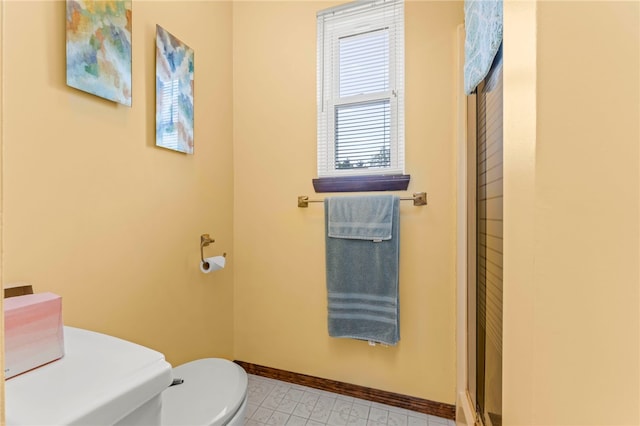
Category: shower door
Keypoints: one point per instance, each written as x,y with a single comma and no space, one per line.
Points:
485,248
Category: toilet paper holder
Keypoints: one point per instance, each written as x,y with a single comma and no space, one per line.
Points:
205,240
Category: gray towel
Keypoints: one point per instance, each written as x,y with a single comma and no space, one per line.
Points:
360,218
362,284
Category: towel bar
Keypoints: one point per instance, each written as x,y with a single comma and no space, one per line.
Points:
419,199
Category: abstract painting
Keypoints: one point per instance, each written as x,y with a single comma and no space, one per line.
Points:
99,48
174,93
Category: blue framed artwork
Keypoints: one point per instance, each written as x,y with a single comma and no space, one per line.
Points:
174,93
99,48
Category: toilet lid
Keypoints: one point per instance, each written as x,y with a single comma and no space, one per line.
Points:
212,392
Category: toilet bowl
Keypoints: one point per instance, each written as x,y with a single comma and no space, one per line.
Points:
103,380
213,393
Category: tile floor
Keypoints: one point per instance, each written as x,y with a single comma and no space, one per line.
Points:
272,402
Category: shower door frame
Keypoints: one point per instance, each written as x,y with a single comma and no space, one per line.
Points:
465,269
467,396
476,332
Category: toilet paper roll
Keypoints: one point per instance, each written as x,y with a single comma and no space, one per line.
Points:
212,264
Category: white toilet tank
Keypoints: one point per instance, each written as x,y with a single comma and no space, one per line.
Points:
101,380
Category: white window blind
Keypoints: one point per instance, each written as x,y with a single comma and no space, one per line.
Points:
361,89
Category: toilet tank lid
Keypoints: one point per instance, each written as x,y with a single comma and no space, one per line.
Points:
99,380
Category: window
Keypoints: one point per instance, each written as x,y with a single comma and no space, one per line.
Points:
361,89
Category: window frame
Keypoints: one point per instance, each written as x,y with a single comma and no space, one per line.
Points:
354,19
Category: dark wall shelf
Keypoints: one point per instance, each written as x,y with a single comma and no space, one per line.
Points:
362,183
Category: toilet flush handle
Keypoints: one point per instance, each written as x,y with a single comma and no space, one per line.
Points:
176,382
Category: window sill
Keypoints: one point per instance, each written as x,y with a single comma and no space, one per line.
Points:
362,183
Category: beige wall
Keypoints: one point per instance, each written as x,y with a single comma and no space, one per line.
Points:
93,210
572,184
280,293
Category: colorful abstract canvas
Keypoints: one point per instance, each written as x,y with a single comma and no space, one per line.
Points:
99,48
174,93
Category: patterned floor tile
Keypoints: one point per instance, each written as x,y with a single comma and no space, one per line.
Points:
278,419
396,419
415,421
272,402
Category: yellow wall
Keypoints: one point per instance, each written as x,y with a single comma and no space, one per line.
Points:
572,236
280,293
93,210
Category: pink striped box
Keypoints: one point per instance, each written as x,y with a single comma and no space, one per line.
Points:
32,332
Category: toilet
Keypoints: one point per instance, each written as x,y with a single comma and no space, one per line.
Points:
103,380
213,392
